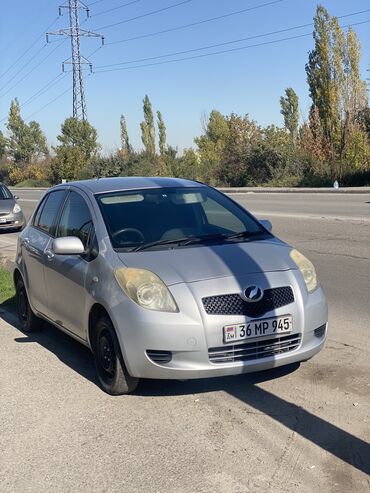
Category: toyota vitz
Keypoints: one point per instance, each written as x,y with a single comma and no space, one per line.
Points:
166,278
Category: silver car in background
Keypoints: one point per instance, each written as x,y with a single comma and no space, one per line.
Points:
166,278
11,215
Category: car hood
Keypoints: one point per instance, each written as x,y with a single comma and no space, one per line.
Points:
6,205
199,263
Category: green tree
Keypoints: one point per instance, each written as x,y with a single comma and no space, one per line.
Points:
147,128
243,137
67,164
78,146
126,148
290,111
3,146
211,146
336,88
80,134
25,142
162,134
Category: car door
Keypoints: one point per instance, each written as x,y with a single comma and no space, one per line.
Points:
34,244
65,275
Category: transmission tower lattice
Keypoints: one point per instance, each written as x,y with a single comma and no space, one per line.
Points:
74,32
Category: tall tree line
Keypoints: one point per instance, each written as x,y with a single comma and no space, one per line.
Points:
333,143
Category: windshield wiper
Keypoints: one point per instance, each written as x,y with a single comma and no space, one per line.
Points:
243,234
159,242
185,240
191,240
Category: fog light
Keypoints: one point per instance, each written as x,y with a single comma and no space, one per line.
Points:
320,331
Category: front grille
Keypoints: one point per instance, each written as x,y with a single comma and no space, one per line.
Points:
234,304
2,214
160,357
254,350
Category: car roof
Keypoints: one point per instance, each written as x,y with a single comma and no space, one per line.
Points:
102,185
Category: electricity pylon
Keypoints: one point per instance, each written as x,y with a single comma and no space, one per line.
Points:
74,32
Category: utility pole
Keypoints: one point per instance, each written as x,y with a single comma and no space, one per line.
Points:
74,32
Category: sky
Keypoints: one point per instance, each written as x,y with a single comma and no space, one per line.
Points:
247,78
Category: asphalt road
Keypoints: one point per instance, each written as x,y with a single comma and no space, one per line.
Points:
296,429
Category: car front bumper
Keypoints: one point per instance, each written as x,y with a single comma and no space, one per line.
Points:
12,221
189,336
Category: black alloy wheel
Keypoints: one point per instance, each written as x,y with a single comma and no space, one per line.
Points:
112,373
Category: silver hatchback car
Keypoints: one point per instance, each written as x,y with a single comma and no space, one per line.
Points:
166,278
11,215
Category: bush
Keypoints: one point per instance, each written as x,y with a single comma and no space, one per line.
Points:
4,171
33,171
33,183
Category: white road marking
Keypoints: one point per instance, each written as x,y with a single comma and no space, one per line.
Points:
28,200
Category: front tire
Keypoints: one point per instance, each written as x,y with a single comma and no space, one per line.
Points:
112,373
27,319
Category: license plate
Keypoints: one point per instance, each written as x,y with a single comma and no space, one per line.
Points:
258,328
2,220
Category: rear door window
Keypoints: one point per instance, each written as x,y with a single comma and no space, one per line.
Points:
47,214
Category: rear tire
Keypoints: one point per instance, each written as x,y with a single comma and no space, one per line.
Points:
27,319
112,373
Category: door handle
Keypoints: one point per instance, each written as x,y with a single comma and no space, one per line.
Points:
49,255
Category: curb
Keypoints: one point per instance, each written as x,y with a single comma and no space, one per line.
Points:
347,190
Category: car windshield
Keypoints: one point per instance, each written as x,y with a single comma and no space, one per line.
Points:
170,217
4,193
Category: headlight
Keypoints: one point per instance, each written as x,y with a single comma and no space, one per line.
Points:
146,289
16,209
307,269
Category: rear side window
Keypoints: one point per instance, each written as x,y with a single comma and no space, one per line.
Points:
47,214
76,219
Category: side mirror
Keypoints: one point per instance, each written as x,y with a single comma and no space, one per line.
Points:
266,224
16,197
68,245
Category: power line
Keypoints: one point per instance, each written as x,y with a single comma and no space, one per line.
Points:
22,68
32,69
115,8
216,45
29,48
152,12
204,55
53,82
49,103
93,3
185,26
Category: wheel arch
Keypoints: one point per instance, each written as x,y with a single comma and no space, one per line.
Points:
17,275
96,311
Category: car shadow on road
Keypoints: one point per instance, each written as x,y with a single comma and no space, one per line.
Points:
67,350
343,445
245,388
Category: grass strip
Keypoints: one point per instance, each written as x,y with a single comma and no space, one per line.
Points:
7,291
